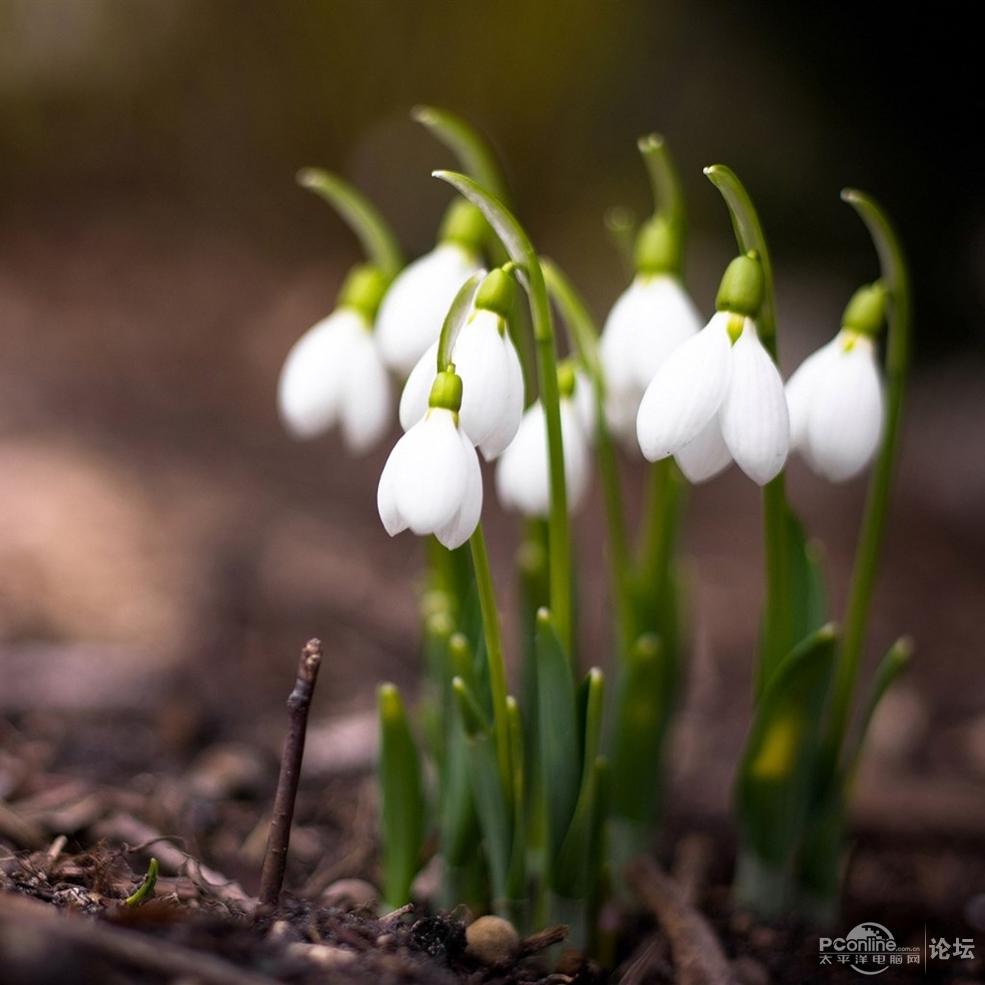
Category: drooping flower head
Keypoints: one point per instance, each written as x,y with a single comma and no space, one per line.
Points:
523,472
333,373
432,482
418,299
836,397
651,318
719,396
486,360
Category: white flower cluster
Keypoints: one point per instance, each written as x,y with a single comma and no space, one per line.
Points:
707,396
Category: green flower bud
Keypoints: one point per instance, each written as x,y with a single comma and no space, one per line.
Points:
363,289
866,311
658,248
446,391
497,293
741,289
465,225
566,378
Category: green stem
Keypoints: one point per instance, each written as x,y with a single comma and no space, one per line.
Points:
523,254
665,182
749,235
895,276
584,334
473,152
360,214
459,311
494,654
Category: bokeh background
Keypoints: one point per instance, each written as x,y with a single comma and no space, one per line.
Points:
165,549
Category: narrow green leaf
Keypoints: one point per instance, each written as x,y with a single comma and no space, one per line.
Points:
402,798
362,217
146,888
557,718
491,804
775,780
463,140
892,665
517,888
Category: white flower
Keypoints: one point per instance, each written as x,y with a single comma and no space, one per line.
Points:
523,472
333,375
492,383
651,318
431,482
415,306
712,401
837,406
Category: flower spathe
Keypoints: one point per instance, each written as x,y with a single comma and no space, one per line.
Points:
492,383
415,306
432,482
716,398
837,406
651,318
523,471
334,375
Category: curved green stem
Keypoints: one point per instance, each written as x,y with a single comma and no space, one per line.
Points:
584,334
665,182
494,654
473,151
895,276
522,253
777,629
455,319
361,216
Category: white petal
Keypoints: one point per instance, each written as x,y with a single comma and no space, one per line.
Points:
685,392
584,405
417,389
754,419
415,306
706,455
512,412
668,319
386,493
845,421
463,524
620,415
482,361
800,390
523,472
367,402
618,342
309,391
433,474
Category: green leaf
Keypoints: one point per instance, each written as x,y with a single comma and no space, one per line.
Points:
360,215
487,789
775,780
146,888
892,665
463,140
402,798
557,718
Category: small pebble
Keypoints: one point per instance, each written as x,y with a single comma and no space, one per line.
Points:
323,955
491,940
349,894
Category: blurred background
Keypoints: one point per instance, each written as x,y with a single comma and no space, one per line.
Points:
163,545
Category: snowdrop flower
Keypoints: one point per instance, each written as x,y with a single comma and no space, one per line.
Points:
836,399
523,473
487,362
333,373
719,395
650,319
415,306
431,482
